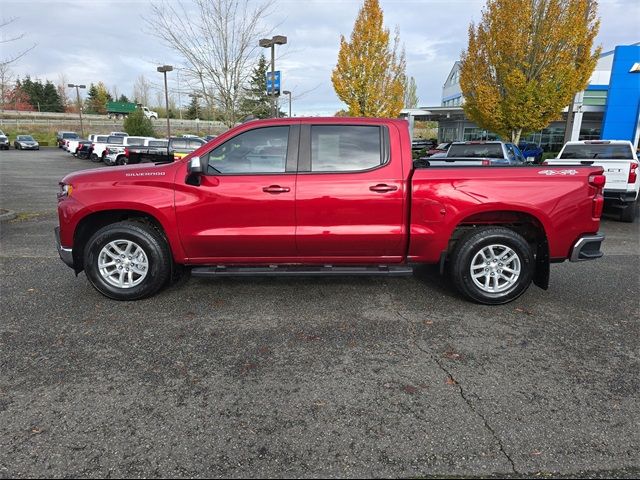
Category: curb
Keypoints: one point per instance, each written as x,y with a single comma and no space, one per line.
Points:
6,215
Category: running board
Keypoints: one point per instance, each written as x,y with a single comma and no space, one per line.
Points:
301,271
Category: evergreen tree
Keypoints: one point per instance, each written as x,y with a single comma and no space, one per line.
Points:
255,100
42,97
51,98
138,124
195,110
123,98
97,98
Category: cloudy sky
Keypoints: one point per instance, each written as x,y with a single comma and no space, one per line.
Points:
105,40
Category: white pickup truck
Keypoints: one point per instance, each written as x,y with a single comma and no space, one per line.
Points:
620,163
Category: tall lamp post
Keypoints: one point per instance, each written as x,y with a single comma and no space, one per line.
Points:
78,87
271,43
288,92
164,69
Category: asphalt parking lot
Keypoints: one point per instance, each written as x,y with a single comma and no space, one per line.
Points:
347,377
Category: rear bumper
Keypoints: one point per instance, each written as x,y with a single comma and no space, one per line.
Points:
619,196
587,248
66,254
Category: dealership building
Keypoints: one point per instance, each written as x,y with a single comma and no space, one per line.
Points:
609,108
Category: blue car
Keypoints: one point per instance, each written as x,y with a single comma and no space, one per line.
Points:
531,150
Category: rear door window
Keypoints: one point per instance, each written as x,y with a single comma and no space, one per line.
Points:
345,148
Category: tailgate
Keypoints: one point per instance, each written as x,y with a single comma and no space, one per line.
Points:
616,171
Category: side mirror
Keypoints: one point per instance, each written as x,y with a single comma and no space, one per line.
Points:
195,166
194,171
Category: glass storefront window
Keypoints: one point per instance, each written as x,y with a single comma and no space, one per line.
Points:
595,97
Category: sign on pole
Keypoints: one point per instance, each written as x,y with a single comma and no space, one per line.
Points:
277,83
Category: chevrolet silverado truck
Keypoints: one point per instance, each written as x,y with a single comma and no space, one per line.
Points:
620,163
325,196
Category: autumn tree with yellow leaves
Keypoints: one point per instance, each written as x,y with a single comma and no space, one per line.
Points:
370,74
525,61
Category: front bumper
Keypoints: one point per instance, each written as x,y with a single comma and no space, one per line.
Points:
587,248
66,254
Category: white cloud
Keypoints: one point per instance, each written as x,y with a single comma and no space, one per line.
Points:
103,40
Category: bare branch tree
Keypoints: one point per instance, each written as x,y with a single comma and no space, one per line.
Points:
141,90
6,75
216,40
4,40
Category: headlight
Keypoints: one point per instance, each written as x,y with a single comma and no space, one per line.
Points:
65,190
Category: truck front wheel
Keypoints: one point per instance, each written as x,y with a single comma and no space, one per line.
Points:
492,265
127,260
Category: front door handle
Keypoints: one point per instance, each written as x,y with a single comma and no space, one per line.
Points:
276,189
383,187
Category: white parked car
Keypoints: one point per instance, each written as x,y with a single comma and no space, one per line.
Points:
620,163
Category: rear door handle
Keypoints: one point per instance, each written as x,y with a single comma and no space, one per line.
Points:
383,187
275,189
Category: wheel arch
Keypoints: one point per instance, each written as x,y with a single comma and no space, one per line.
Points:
530,226
91,223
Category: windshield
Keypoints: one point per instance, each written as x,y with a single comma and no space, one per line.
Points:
2,133
442,146
25,138
607,150
70,135
478,150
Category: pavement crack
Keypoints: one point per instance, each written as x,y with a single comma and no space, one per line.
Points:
461,391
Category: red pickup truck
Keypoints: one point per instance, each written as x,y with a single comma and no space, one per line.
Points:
325,196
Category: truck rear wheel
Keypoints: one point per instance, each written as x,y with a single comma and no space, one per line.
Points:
127,260
492,265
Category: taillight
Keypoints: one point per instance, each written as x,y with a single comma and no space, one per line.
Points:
486,163
633,174
597,181
126,152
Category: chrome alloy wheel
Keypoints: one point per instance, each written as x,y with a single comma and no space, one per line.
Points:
123,263
495,268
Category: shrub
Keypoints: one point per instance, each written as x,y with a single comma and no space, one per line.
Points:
137,124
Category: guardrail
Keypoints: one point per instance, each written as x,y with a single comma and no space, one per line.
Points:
17,117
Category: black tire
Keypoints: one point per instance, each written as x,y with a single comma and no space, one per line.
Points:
149,239
630,212
95,158
467,251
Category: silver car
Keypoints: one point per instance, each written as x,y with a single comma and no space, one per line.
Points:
26,142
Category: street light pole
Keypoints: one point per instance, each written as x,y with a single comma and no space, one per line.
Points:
271,43
164,69
288,92
77,87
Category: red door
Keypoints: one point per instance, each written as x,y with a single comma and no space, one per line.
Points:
243,210
350,195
